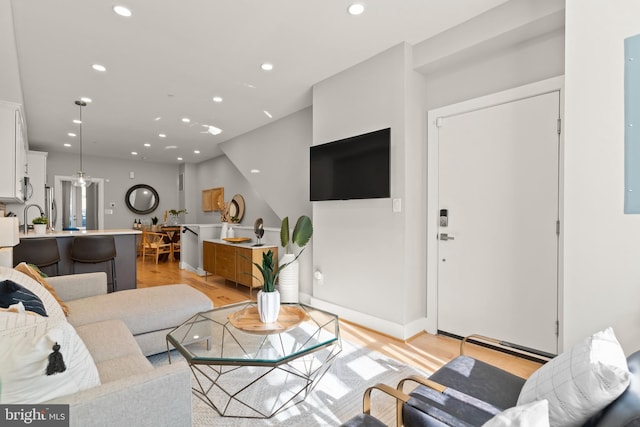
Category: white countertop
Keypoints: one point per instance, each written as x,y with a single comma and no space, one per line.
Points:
32,235
249,244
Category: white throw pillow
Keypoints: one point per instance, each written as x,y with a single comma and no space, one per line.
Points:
26,342
54,311
534,414
580,382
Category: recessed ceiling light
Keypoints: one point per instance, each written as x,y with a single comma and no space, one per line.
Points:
76,121
179,158
267,66
85,99
196,151
356,9
217,99
249,85
66,144
170,147
134,153
157,118
186,120
99,67
255,170
213,130
268,114
162,135
71,134
146,144
122,11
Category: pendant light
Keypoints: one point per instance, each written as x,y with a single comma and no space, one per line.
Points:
81,179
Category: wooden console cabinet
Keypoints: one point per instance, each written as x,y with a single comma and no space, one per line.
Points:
235,261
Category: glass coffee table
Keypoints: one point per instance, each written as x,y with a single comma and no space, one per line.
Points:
244,368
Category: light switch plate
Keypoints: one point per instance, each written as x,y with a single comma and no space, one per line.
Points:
397,205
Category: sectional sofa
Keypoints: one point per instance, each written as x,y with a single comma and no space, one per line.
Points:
108,381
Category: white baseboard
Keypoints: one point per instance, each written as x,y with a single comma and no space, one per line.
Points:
386,327
198,271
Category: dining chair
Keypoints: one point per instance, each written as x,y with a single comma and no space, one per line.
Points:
154,244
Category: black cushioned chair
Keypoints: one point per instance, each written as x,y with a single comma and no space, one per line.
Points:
469,392
42,252
95,250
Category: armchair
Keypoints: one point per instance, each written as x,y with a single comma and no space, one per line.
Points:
469,392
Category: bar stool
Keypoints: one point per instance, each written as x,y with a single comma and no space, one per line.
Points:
94,250
41,252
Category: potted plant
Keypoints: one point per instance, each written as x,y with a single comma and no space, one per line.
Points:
154,223
173,216
40,224
301,235
225,217
268,296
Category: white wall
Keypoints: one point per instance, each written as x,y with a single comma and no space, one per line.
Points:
10,86
221,172
602,245
115,172
367,253
280,150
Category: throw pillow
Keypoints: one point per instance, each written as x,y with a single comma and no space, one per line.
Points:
54,311
11,293
581,381
26,344
535,414
36,275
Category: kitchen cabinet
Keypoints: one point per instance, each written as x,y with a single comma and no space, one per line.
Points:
13,152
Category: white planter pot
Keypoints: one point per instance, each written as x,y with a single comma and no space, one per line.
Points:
40,228
288,279
224,232
268,306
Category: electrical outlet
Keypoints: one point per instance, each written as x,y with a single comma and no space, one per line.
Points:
108,211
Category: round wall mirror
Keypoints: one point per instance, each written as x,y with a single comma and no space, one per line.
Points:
236,208
142,199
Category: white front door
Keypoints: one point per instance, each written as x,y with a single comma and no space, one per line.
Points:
498,253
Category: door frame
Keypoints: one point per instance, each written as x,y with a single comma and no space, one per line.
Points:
510,95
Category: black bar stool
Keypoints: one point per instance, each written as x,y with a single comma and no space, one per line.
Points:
41,252
94,250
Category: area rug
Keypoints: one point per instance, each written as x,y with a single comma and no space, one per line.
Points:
335,399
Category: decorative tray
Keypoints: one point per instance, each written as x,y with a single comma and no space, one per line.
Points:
248,320
237,239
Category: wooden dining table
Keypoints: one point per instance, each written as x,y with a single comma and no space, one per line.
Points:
173,236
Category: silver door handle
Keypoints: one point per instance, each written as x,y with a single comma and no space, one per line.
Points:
445,236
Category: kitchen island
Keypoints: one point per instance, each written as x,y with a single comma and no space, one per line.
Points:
125,261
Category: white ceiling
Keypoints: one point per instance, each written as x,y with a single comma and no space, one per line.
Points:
171,57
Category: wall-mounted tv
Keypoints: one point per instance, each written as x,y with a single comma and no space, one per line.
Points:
351,168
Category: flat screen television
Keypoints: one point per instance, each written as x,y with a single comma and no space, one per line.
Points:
353,168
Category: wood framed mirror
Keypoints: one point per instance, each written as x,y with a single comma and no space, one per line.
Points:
142,199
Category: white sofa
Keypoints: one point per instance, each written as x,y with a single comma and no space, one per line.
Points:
119,329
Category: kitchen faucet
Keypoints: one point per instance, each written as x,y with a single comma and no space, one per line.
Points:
26,208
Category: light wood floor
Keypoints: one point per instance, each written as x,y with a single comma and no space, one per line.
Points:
423,351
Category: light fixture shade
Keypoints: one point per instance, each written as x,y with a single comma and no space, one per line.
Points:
9,236
80,179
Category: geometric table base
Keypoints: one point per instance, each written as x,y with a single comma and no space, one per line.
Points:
261,391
